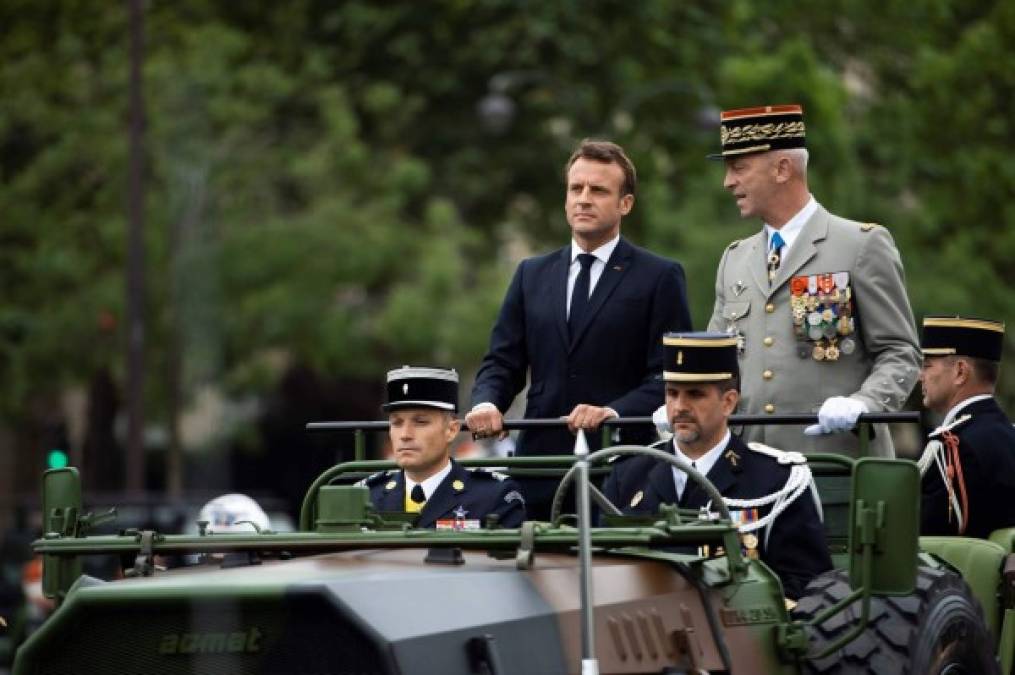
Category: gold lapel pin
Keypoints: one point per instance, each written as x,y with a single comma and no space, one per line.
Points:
458,486
732,457
391,485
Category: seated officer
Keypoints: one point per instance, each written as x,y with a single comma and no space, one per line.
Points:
421,407
969,488
702,381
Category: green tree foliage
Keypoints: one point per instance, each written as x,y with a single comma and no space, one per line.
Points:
348,185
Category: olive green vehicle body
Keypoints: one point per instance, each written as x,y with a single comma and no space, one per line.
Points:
352,592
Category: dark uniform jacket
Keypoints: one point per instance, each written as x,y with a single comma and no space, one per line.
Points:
987,454
796,549
474,494
612,358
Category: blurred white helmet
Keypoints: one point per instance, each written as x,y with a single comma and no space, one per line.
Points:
233,513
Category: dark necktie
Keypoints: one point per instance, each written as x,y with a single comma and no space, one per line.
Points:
580,294
417,495
775,255
682,500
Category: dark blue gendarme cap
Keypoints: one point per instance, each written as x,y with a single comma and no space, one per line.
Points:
415,387
956,336
699,357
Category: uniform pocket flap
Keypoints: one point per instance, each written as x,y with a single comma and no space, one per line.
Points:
731,311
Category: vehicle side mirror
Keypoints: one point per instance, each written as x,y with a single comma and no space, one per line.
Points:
61,507
884,525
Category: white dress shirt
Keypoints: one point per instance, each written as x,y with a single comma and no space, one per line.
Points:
602,255
792,228
430,484
703,464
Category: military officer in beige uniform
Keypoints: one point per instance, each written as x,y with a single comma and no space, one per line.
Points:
818,302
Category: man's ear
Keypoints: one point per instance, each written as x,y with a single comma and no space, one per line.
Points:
963,372
783,169
730,398
626,204
454,426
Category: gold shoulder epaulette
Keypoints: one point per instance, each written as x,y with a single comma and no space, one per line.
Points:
867,227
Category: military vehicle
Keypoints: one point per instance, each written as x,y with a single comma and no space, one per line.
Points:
360,592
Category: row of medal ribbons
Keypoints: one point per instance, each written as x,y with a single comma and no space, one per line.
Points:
822,310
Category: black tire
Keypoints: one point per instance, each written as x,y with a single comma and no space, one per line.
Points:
937,630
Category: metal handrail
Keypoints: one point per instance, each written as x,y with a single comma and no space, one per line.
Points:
557,422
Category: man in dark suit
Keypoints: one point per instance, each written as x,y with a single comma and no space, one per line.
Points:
969,464
421,406
584,321
702,378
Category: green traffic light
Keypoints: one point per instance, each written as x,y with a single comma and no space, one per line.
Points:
56,459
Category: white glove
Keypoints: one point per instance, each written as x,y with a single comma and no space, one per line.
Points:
838,413
662,422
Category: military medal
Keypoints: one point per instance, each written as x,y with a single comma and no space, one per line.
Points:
832,353
848,346
802,350
818,353
750,541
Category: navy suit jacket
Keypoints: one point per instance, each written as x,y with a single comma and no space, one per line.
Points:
795,549
613,359
480,493
987,454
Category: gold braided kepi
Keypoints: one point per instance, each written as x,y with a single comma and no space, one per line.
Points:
771,127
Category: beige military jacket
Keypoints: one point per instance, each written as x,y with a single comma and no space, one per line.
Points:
876,349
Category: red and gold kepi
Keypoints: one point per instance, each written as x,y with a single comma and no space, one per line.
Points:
771,127
958,336
699,357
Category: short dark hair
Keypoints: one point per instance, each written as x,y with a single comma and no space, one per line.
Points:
722,386
609,153
984,370
732,383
